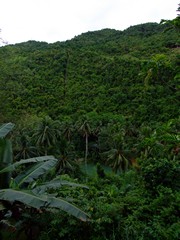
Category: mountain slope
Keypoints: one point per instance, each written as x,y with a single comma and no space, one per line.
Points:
131,72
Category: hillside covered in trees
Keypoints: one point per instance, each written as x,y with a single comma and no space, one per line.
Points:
109,99
131,72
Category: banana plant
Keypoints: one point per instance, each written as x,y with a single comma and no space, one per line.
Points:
5,153
24,190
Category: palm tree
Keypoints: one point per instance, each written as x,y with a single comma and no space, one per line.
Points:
67,130
47,133
85,130
24,148
66,157
113,147
116,160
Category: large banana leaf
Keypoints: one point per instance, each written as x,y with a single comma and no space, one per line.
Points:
5,161
5,152
13,166
67,207
5,129
35,171
23,197
54,184
42,201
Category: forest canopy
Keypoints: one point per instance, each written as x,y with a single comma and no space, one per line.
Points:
105,104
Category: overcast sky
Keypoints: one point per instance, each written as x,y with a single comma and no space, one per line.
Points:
60,20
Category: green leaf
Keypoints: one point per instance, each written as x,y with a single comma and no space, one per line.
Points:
23,197
6,158
42,201
5,152
13,167
5,129
67,207
35,171
54,184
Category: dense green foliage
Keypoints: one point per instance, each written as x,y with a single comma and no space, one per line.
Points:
21,195
104,71
107,98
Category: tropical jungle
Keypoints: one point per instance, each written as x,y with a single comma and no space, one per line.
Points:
89,136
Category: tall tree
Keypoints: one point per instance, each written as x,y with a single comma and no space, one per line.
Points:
24,147
65,73
85,130
174,23
47,133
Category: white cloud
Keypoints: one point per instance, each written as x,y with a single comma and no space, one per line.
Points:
58,20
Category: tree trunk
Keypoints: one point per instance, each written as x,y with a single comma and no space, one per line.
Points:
86,152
